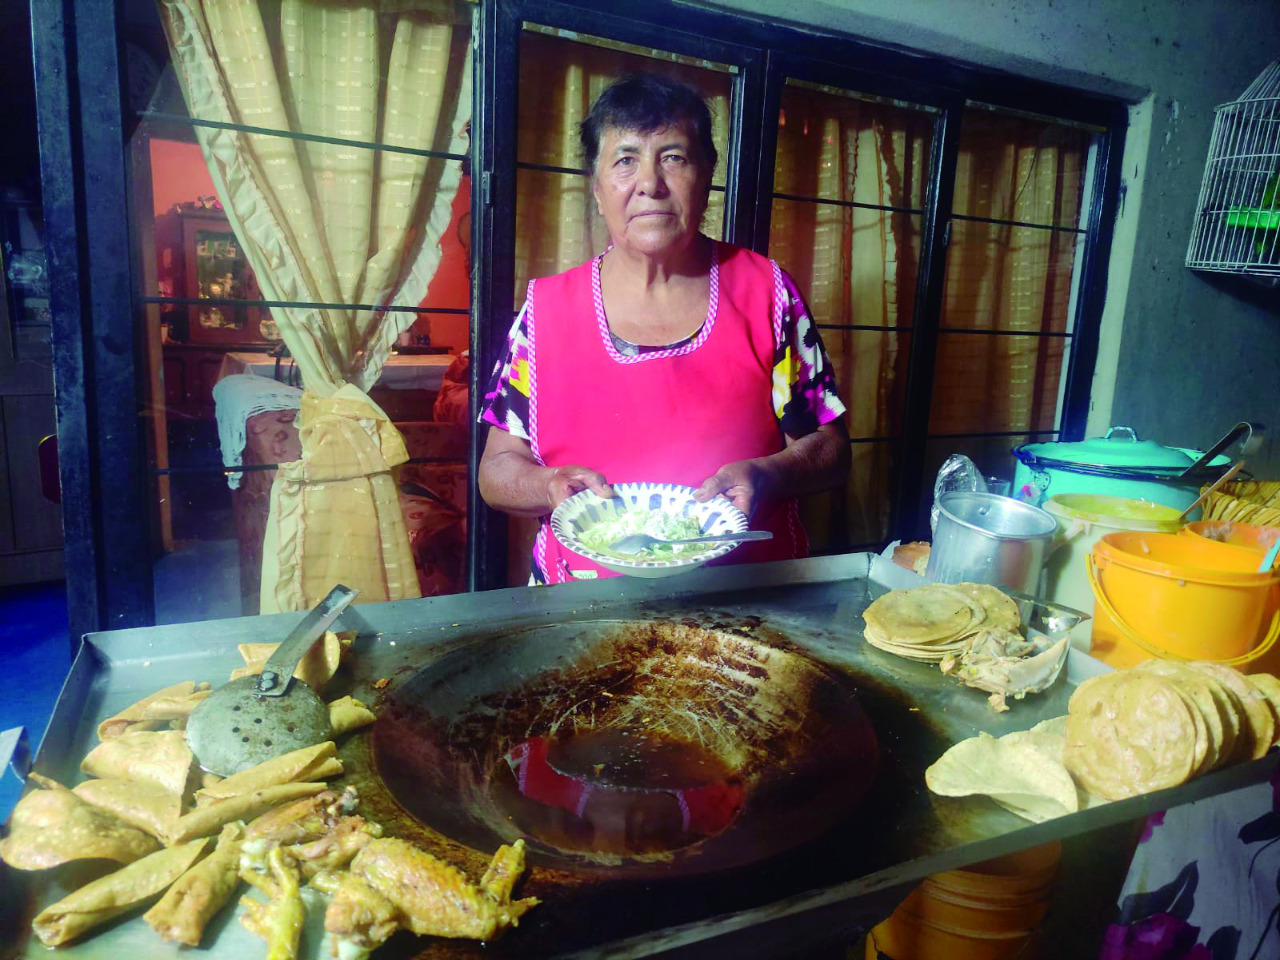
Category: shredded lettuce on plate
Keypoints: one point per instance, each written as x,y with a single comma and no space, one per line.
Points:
656,524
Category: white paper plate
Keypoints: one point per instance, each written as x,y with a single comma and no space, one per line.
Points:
584,510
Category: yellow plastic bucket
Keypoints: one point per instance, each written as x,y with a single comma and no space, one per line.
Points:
1182,598
990,911
1083,519
1250,535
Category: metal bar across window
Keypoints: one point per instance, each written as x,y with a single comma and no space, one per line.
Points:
846,203
291,135
1018,223
863,326
225,302
571,171
1008,333
991,433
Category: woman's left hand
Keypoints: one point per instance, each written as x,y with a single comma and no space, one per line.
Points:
744,483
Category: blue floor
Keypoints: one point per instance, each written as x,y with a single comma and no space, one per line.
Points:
35,656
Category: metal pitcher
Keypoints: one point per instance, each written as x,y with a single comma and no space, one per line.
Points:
985,538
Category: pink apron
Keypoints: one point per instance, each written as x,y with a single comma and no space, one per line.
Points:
668,416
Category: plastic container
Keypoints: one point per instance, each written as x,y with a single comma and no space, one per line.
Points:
1180,597
1083,519
985,538
1250,535
1118,464
990,911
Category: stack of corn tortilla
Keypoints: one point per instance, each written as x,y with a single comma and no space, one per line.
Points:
933,621
1163,722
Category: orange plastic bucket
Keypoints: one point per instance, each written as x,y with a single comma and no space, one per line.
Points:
990,911
1249,535
1180,597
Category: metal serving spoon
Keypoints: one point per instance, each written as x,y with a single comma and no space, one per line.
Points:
636,542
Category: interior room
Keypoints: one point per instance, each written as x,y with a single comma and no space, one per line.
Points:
306,301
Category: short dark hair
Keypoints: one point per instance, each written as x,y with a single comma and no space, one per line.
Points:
647,102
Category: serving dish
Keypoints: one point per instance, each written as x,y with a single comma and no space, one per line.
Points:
584,511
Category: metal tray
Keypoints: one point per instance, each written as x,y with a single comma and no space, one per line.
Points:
844,881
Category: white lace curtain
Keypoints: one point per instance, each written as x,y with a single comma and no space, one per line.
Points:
330,223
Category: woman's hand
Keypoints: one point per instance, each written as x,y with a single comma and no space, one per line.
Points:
565,481
816,461
744,483
512,480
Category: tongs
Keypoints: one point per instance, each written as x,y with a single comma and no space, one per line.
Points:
261,717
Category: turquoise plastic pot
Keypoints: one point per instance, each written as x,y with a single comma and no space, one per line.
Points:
1117,465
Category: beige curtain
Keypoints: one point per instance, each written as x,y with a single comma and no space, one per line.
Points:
328,223
1009,278
855,265
556,222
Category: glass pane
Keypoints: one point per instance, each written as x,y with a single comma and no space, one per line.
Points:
838,145
570,74
989,383
557,223
1015,167
871,373
365,226
855,516
1010,278
853,265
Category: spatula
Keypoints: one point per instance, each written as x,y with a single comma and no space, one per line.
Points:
258,718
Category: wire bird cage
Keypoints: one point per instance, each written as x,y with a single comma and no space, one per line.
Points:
1237,225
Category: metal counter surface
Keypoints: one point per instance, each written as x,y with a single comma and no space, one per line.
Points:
816,603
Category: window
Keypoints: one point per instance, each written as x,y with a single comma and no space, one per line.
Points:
948,226
331,179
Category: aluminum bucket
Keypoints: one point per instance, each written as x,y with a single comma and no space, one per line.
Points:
984,538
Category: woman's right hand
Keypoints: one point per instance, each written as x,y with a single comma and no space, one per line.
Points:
573,478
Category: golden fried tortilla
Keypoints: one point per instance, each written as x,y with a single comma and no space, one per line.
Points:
1257,711
146,806
1269,687
161,757
305,765
191,902
114,894
140,715
347,714
1019,771
207,820
1129,733
51,825
315,669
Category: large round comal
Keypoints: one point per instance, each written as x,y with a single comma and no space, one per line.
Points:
628,748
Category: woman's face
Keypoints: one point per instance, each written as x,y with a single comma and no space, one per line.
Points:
651,188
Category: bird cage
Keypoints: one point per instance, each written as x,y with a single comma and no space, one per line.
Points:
1237,225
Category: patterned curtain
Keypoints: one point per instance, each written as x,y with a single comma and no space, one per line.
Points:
329,223
855,266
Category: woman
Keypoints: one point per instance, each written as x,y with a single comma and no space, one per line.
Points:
669,358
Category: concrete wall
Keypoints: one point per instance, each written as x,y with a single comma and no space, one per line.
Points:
1184,355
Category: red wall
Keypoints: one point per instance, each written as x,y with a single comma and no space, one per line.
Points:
178,174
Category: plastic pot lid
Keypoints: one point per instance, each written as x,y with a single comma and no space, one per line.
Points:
1119,448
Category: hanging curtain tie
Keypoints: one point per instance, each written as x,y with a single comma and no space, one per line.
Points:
346,435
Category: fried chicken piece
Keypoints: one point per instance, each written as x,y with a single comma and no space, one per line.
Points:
303,820
279,920
317,832
393,884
